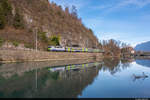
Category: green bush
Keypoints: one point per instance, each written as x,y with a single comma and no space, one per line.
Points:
15,43
54,40
1,42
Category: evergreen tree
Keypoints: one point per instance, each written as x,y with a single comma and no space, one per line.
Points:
2,18
5,12
18,21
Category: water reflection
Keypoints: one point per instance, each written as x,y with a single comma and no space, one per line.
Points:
143,62
64,79
114,65
48,82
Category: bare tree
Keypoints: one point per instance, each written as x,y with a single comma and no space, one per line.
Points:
74,11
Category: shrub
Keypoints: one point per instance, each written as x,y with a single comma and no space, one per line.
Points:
54,40
15,43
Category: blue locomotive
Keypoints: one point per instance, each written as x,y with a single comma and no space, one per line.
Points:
73,49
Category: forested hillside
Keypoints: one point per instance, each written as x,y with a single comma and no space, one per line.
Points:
21,19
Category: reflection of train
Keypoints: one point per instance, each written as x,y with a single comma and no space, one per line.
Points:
72,49
73,67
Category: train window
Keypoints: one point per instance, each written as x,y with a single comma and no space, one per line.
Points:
51,47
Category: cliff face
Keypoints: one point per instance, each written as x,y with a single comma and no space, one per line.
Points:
51,19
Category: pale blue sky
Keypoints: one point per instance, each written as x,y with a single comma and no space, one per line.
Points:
125,20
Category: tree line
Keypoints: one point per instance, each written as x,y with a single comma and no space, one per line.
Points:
115,48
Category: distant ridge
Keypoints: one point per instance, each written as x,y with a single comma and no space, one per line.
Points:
143,47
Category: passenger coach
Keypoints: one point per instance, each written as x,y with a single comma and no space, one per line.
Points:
72,49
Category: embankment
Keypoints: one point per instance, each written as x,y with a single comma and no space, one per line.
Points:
23,56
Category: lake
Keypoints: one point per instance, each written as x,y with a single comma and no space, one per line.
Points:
110,78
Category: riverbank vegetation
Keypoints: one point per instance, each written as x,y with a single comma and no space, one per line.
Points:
115,48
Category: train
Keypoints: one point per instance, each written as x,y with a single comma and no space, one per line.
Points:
73,49
74,67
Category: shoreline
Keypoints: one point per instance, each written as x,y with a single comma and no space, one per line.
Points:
13,56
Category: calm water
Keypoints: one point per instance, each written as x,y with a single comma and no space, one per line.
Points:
111,78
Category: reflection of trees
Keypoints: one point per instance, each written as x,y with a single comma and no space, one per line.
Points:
22,81
111,62
113,65
49,84
71,83
126,63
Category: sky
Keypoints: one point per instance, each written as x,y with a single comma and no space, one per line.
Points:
124,20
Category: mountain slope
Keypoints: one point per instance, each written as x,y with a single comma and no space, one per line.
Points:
143,47
49,19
